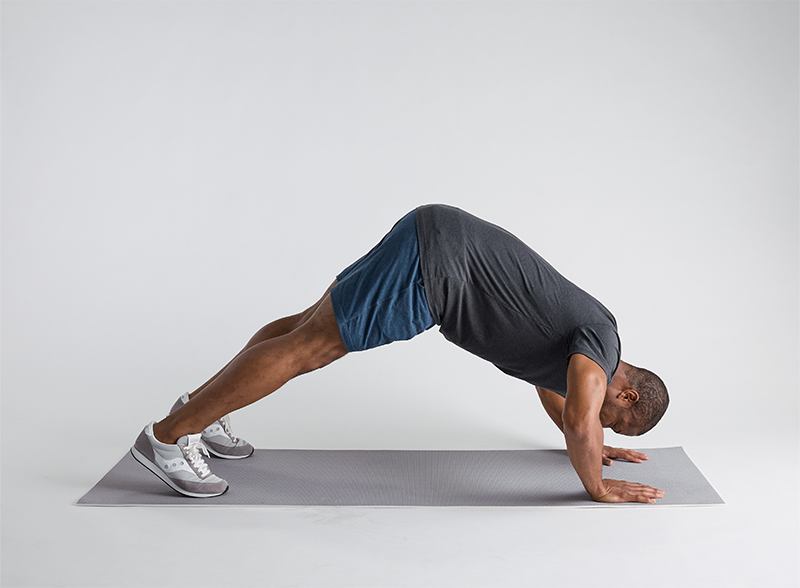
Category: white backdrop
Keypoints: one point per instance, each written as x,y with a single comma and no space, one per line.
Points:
177,174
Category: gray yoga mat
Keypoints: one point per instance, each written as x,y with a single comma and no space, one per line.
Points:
292,477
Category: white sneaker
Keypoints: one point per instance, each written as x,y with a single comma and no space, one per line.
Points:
218,437
181,466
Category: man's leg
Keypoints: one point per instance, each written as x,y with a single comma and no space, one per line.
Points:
274,356
274,329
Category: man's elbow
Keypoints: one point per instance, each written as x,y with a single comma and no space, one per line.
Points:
579,427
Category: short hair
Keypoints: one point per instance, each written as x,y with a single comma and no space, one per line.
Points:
653,397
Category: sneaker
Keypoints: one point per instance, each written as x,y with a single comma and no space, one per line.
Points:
218,437
181,466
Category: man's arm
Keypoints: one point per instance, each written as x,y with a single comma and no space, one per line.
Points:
554,407
586,387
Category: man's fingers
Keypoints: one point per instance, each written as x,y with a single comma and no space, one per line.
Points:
644,489
632,455
626,454
621,491
647,493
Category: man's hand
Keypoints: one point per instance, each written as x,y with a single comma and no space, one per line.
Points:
612,453
620,491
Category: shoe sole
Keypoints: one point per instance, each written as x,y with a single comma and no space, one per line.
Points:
137,455
223,456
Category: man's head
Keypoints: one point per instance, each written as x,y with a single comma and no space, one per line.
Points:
635,401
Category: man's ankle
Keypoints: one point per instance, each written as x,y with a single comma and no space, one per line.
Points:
161,434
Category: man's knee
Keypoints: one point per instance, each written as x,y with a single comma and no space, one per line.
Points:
316,353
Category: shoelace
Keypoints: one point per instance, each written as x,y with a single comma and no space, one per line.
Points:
226,424
193,451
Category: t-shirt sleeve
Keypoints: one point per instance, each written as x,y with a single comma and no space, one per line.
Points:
600,343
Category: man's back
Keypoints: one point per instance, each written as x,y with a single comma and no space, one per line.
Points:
498,299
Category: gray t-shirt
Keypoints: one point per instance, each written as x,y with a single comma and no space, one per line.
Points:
497,298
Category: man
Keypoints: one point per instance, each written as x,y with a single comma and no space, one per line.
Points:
489,293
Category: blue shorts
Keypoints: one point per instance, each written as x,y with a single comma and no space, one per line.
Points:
380,298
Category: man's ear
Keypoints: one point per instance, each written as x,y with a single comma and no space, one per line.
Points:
630,396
